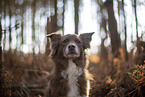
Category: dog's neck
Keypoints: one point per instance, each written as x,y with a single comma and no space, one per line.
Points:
72,73
70,69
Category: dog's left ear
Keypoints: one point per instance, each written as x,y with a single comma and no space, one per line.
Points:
86,39
54,37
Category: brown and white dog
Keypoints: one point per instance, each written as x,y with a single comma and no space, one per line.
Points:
70,77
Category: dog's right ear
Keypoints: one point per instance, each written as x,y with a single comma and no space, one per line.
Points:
86,39
54,37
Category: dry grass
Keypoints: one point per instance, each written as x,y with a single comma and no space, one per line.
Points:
28,75
116,77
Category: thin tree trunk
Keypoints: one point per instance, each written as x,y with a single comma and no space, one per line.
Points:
47,50
17,35
131,31
4,41
115,38
125,29
63,14
33,25
0,31
76,6
22,25
119,8
136,20
10,15
55,16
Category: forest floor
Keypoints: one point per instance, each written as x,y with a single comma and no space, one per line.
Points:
27,75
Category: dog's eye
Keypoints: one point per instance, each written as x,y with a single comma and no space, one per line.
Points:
64,41
77,41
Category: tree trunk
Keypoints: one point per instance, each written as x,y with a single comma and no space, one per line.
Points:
2,90
1,79
115,38
136,20
103,51
125,29
76,6
63,14
33,25
4,40
10,30
52,20
0,47
51,24
22,24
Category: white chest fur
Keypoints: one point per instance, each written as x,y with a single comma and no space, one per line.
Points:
73,72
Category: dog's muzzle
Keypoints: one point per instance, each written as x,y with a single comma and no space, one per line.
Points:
72,51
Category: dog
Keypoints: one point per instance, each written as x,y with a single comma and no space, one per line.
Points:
70,77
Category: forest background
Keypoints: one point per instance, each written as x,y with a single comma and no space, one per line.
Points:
117,54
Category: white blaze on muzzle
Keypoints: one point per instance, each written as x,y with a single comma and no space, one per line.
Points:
72,50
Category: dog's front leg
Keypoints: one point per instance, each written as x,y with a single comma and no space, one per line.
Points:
82,85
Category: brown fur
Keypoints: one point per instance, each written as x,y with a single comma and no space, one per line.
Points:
58,85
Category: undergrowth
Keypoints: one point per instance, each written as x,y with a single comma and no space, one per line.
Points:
27,75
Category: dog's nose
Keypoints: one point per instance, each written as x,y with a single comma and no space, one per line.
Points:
71,47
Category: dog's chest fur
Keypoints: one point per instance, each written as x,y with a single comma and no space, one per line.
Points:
72,73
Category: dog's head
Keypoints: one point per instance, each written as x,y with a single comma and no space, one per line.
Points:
69,46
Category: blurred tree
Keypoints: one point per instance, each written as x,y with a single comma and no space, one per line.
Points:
0,59
5,12
33,24
0,31
136,19
103,51
63,14
103,26
10,30
2,90
51,23
112,23
76,17
125,29
19,11
22,25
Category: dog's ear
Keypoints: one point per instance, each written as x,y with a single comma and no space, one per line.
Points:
54,37
54,40
86,39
